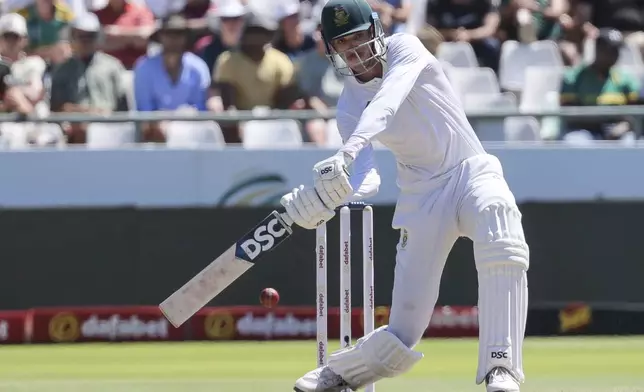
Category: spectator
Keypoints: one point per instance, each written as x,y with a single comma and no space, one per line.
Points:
22,87
576,28
172,79
626,16
89,81
472,21
81,6
602,84
194,11
393,14
227,26
127,26
532,20
321,86
254,75
5,72
77,6
290,38
164,8
317,78
48,27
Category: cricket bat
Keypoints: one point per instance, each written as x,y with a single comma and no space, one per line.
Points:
226,268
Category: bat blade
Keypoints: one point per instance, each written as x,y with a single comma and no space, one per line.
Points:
225,269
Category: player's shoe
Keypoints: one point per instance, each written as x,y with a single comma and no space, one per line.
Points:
500,379
321,379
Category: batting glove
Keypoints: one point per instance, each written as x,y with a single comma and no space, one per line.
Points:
305,208
331,180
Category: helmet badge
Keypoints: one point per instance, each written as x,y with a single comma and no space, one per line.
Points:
341,17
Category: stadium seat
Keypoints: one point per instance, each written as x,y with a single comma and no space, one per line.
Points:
190,134
516,57
447,67
521,129
458,54
29,134
266,134
14,135
110,135
261,110
473,81
493,129
539,81
48,134
551,126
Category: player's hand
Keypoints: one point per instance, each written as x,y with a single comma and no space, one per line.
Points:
305,208
331,180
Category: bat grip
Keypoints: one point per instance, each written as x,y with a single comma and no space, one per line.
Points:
284,215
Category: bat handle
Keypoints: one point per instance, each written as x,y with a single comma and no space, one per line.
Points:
284,215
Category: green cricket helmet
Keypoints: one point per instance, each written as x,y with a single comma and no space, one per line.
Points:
341,18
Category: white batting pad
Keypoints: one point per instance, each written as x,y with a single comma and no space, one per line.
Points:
503,309
377,355
502,259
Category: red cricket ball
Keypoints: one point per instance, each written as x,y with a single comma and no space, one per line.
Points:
269,297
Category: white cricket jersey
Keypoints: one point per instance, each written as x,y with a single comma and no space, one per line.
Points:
413,111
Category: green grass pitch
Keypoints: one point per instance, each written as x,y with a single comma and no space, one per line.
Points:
614,364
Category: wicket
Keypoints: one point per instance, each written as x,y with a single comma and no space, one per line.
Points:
345,280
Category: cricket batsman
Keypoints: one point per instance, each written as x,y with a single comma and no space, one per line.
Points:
396,93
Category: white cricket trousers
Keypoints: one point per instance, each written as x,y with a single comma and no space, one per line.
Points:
472,201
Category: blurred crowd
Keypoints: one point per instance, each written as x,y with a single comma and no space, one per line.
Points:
547,54
106,56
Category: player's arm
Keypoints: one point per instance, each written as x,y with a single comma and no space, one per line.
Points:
365,179
407,58
304,205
